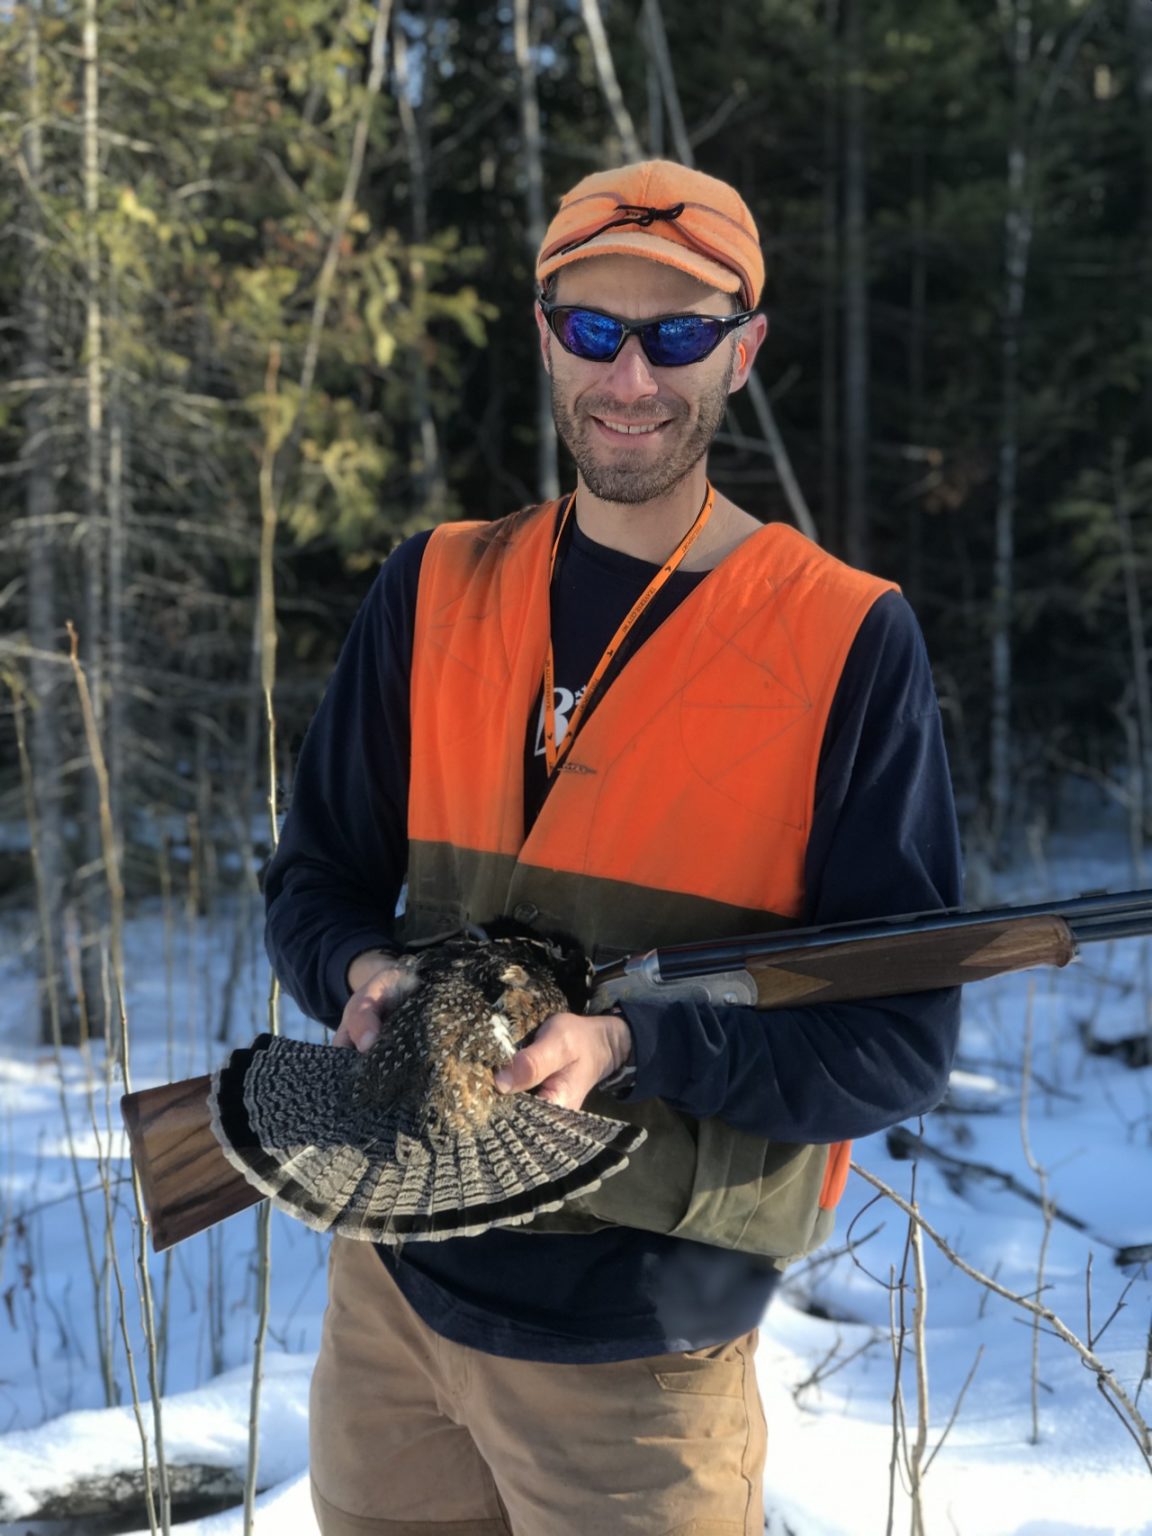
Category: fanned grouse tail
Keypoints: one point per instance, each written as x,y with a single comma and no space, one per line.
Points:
294,1118
411,1139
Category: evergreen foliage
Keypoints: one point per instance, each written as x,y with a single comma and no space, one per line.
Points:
225,135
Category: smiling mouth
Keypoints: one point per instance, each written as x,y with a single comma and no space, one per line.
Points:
630,428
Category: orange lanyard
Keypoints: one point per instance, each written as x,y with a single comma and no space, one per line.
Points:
554,755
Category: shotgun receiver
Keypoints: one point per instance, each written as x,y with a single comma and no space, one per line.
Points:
188,1184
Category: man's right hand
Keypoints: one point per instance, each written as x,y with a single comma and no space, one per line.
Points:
379,983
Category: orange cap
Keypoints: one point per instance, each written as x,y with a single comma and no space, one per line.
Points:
665,212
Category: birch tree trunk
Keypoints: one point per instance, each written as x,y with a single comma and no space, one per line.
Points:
1137,637
917,365
857,534
92,647
117,546
44,626
655,104
547,466
609,84
661,57
92,639
1017,246
830,286
1140,34
428,468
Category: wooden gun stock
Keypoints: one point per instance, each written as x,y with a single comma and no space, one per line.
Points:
188,1184
186,1181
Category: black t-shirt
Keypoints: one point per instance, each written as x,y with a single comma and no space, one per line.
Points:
883,841
593,590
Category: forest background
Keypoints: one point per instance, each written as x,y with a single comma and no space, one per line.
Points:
265,309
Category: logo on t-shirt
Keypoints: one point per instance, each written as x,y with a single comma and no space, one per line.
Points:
565,701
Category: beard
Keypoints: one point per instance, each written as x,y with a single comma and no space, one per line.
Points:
630,479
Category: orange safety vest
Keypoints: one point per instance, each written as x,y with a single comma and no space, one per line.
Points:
681,812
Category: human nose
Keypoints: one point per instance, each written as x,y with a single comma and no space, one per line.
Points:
630,374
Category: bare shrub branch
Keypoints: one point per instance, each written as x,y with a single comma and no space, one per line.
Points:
1106,1380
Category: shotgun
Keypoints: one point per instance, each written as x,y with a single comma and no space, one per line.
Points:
188,1184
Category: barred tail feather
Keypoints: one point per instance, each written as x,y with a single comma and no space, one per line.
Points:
287,1117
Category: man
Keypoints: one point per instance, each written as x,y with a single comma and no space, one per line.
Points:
641,716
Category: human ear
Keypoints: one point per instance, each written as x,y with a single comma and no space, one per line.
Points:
754,334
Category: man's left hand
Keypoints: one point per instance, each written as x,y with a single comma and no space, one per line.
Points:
571,1053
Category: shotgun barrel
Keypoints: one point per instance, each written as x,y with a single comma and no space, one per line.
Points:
1090,918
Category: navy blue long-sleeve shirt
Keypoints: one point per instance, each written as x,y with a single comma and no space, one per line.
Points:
883,841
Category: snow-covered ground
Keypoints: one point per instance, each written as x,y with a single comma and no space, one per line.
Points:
826,1358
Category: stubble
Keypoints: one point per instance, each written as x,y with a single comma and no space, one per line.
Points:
631,478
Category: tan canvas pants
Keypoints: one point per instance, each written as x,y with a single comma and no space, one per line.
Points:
412,1435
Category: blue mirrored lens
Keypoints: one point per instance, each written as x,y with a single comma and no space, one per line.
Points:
669,343
588,334
680,340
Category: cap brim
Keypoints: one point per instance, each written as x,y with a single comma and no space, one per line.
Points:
625,242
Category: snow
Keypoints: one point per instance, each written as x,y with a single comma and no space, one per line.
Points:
825,1363
285,1509
208,1425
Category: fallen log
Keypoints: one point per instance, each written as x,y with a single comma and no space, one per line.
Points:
86,1466
116,1499
903,1145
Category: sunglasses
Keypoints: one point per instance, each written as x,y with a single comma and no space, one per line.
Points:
669,341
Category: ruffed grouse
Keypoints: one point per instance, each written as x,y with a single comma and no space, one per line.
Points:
411,1139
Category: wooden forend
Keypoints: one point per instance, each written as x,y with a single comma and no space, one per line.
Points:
911,962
